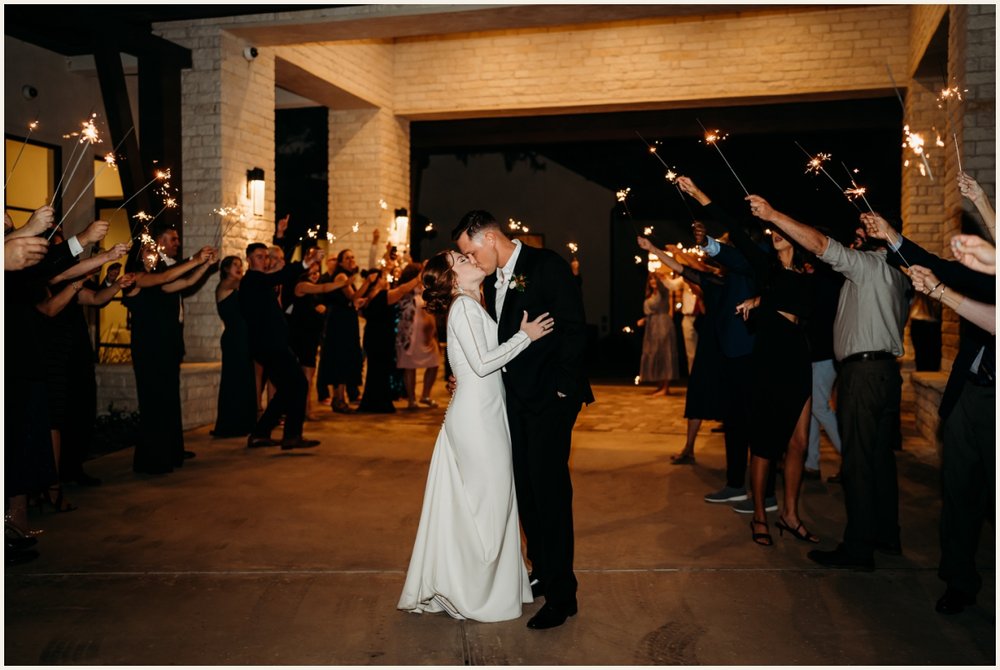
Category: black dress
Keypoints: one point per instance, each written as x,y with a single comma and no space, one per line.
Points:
157,350
781,369
341,359
380,352
704,398
237,409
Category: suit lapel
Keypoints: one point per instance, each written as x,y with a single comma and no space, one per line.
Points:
512,301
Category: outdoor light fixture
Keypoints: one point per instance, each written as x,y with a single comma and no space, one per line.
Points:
255,190
402,218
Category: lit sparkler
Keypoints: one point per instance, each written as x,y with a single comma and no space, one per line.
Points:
627,330
312,233
637,380
88,135
330,238
429,227
647,231
573,247
815,166
915,142
671,176
383,204
856,191
638,260
356,227
958,154
713,138
31,129
159,175
950,93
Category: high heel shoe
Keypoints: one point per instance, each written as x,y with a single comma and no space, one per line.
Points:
59,504
763,539
683,458
803,536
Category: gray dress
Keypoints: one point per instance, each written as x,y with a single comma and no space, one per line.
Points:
659,346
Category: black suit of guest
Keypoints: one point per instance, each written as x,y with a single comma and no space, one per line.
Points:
545,387
268,331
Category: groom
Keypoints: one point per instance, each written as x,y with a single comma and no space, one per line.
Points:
545,387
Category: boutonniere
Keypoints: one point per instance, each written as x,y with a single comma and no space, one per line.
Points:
518,283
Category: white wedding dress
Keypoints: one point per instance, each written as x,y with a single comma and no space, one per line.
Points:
467,556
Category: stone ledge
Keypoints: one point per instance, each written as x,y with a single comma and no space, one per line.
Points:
199,391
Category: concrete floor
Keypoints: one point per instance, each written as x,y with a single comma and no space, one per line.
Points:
262,557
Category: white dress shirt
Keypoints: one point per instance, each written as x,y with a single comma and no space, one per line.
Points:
504,275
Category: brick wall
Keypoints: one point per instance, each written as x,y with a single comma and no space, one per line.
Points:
362,68
199,391
721,58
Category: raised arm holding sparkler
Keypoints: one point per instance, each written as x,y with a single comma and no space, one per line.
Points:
975,253
981,314
971,189
40,221
85,267
805,236
147,279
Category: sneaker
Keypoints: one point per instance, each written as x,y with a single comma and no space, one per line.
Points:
746,505
726,494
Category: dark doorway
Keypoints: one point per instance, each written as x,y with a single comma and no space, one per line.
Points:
301,161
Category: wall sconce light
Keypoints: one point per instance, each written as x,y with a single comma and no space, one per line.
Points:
255,190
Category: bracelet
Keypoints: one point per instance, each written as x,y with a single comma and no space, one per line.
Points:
941,297
934,288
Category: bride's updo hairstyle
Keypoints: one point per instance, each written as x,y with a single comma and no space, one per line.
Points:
439,283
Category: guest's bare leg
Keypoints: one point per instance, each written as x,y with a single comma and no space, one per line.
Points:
794,462
430,376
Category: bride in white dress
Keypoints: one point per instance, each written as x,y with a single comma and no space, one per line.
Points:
467,559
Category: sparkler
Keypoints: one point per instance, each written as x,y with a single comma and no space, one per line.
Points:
950,93
383,204
713,138
958,154
915,142
670,176
429,227
638,260
223,212
160,175
856,191
573,248
109,161
815,166
89,135
330,238
627,330
31,128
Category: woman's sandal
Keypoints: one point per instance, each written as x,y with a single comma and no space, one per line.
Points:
803,536
59,504
683,458
763,539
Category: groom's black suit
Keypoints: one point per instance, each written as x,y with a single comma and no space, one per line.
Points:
541,422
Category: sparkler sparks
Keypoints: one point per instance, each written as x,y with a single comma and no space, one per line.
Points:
573,247
622,194
158,175
330,238
950,93
647,231
429,227
356,227
627,329
713,138
815,164
638,260
671,176
382,204
915,142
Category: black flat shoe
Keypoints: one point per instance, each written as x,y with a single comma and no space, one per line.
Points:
551,616
954,601
839,558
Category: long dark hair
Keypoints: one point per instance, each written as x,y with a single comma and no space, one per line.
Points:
439,283
225,265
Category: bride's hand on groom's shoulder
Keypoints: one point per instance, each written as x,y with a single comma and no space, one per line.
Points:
537,328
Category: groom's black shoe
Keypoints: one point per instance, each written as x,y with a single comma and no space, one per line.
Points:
551,616
537,587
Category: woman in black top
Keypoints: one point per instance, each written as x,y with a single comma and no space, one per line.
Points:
782,372
237,408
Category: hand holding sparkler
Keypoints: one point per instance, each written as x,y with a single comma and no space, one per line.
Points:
23,252
700,233
645,244
878,228
40,221
971,189
975,253
688,186
760,208
925,281
125,281
93,233
282,226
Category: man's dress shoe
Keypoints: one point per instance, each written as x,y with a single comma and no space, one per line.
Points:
551,616
298,443
954,601
840,558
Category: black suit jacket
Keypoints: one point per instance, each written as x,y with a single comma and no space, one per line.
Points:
555,363
266,322
972,338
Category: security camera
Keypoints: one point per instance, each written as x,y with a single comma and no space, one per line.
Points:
250,53
29,92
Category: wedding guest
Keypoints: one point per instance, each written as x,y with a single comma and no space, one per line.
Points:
659,346
703,398
268,331
340,364
380,339
781,373
237,407
867,339
305,323
967,411
416,342
819,328
157,345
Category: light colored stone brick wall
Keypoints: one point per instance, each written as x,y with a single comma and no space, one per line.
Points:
924,22
369,163
362,68
722,58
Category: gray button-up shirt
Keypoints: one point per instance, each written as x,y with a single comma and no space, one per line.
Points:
872,310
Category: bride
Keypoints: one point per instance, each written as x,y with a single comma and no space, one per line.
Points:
467,556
